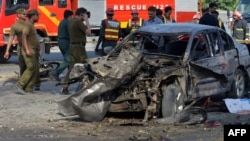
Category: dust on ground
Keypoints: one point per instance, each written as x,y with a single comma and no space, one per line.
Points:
34,117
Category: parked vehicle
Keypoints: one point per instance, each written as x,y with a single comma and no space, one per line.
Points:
162,70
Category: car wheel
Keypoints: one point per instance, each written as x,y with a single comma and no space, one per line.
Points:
238,85
172,101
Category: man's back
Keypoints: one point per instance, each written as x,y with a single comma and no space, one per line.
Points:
208,19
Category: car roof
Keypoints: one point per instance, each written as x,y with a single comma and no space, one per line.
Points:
175,27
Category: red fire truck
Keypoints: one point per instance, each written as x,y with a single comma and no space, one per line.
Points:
51,12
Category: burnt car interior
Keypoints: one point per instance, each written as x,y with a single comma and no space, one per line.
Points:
168,44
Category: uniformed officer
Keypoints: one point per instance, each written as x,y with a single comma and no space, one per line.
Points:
240,28
29,51
16,31
208,19
167,15
135,22
110,31
77,35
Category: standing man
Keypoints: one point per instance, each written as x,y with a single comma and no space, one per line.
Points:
77,35
29,51
212,7
159,14
240,28
16,30
63,43
110,31
207,18
135,22
167,15
152,18
216,15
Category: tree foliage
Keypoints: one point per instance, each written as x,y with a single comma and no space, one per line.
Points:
222,4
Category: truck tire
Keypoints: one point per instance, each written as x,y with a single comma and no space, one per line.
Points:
238,85
172,101
2,51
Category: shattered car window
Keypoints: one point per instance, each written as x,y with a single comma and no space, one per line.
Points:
200,47
174,44
227,42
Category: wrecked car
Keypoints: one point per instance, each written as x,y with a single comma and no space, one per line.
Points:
161,70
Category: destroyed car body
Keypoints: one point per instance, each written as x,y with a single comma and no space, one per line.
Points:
162,70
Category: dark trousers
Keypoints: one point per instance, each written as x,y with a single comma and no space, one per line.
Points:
29,77
64,48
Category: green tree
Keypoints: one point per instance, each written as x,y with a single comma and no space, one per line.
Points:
222,4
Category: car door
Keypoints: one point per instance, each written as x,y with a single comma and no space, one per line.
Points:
212,63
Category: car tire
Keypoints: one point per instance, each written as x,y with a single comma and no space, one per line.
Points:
172,101
238,85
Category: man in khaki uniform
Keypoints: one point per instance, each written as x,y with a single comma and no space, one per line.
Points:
16,31
28,79
77,35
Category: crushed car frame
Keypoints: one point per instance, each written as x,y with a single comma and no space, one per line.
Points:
162,70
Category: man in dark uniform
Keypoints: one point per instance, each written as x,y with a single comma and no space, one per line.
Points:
63,43
77,35
110,31
16,30
208,19
29,51
240,28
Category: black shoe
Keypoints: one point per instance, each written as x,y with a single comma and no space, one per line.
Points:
37,88
54,76
65,91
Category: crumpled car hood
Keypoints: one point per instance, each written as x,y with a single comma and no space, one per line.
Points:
92,102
